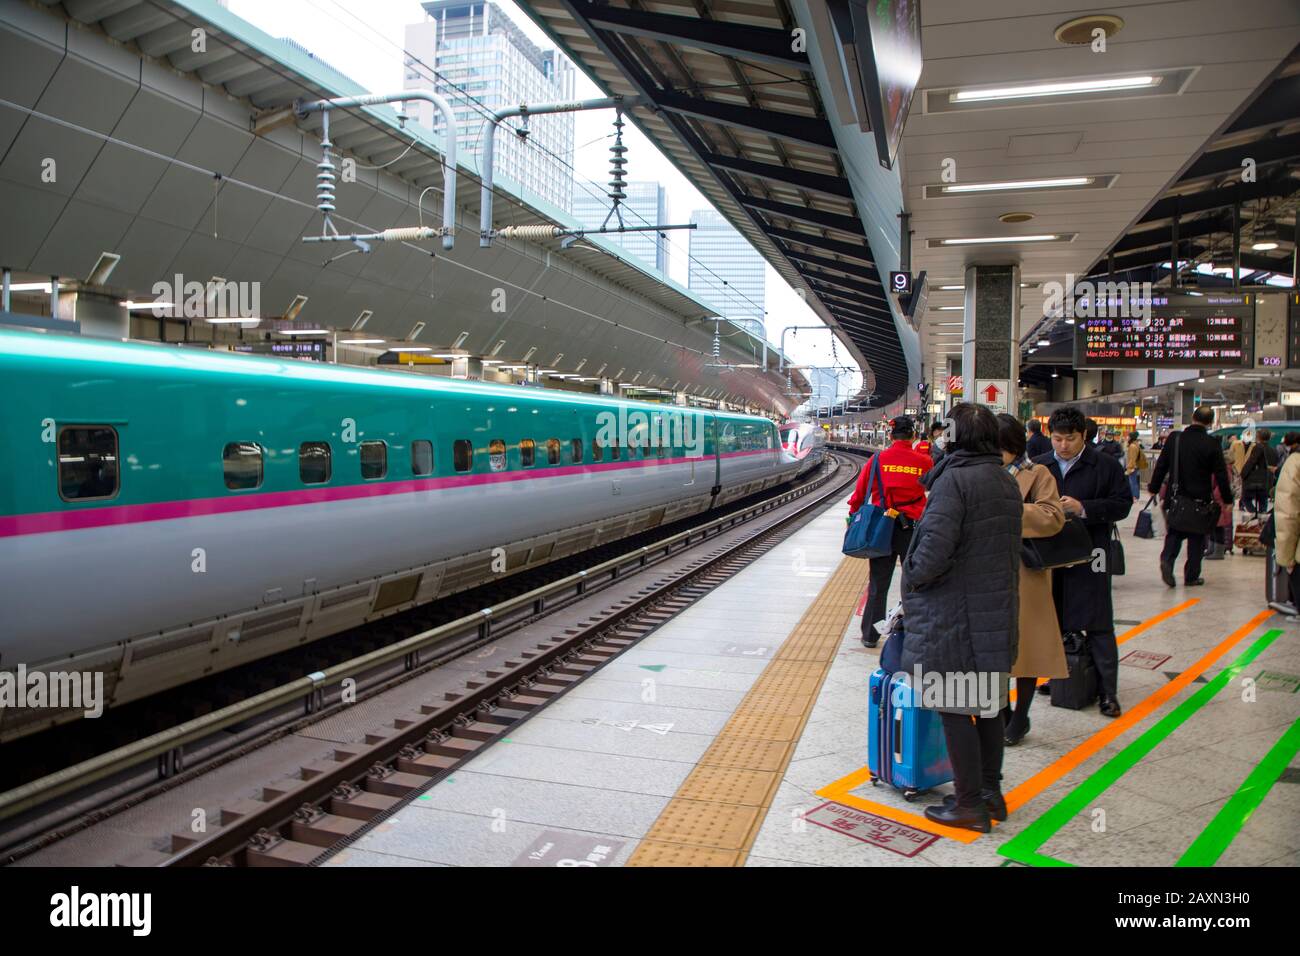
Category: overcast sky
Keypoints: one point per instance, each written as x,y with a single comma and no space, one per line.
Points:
364,39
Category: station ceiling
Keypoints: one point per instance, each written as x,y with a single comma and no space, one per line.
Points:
156,161
1211,59
735,107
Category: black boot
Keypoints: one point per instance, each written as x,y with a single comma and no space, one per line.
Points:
1015,732
969,818
994,803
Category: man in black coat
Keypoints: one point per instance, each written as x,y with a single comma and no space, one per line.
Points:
1093,487
1038,443
1200,458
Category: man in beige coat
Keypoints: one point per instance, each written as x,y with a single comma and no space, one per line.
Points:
1041,652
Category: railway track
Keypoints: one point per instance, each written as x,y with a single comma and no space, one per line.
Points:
365,782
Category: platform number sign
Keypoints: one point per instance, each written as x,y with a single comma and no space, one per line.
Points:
900,283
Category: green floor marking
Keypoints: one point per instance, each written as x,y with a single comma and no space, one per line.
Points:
652,667
1225,826
1023,848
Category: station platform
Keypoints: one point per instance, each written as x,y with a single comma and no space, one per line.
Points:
736,735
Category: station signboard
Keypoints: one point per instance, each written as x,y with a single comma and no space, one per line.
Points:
1168,330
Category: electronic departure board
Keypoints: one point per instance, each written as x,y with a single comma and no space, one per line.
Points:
1183,331
1293,323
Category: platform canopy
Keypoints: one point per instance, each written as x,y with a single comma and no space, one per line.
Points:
735,100
188,162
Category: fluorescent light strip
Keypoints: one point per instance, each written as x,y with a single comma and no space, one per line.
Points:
301,331
1058,183
986,240
1055,89
361,341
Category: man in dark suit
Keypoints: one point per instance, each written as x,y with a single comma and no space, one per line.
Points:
1092,487
1199,461
1038,443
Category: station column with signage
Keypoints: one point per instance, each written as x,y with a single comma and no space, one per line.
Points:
990,341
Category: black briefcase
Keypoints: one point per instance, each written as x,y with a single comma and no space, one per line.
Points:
1079,689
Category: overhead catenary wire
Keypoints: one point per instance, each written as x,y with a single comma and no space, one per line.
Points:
410,60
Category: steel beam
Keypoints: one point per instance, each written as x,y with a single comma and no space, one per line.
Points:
759,44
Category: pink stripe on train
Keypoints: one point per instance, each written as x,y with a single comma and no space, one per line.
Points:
100,517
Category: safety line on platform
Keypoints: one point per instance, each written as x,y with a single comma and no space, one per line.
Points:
1227,823
1027,843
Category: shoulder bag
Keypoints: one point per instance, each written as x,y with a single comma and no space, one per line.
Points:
1069,546
871,531
1184,513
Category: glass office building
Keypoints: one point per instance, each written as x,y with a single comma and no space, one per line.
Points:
474,49
725,270
646,205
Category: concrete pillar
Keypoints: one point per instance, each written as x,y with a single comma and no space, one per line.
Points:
1184,405
990,340
607,387
679,398
100,315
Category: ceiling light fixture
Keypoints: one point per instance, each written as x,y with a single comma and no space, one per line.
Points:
1071,88
361,341
1002,240
1061,182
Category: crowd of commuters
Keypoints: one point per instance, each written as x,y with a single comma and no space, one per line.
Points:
969,500
964,505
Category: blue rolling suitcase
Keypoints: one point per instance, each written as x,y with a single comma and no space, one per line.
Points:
905,744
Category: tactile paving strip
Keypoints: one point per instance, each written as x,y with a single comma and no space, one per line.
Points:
714,817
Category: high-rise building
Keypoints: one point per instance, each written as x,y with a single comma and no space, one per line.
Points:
825,384
474,49
646,205
725,269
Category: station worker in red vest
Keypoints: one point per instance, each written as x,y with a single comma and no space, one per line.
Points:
901,468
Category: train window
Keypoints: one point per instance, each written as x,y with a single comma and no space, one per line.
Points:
314,462
497,455
421,457
463,454
553,451
597,450
577,450
242,462
527,452
374,459
614,451
87,462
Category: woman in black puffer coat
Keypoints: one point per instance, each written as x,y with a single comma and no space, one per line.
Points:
961,583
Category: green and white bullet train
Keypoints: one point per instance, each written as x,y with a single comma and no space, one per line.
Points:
168,512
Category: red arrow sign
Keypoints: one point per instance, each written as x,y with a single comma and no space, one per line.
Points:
991,393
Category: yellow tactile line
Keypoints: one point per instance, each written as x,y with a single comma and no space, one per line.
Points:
716,814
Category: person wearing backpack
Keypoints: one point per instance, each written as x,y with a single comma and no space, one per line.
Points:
1257,473
1134,462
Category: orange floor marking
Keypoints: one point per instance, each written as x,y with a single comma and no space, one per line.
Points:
1026,791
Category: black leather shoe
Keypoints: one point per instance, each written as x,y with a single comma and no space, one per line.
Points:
994,803
1045,688
870,644
1109,707
1167,574
1193,584
968,818
1015,733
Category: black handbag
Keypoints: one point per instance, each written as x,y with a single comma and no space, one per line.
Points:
1116,555
1069,546
1145,527
1186,514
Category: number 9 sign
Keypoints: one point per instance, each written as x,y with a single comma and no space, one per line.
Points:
901,283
